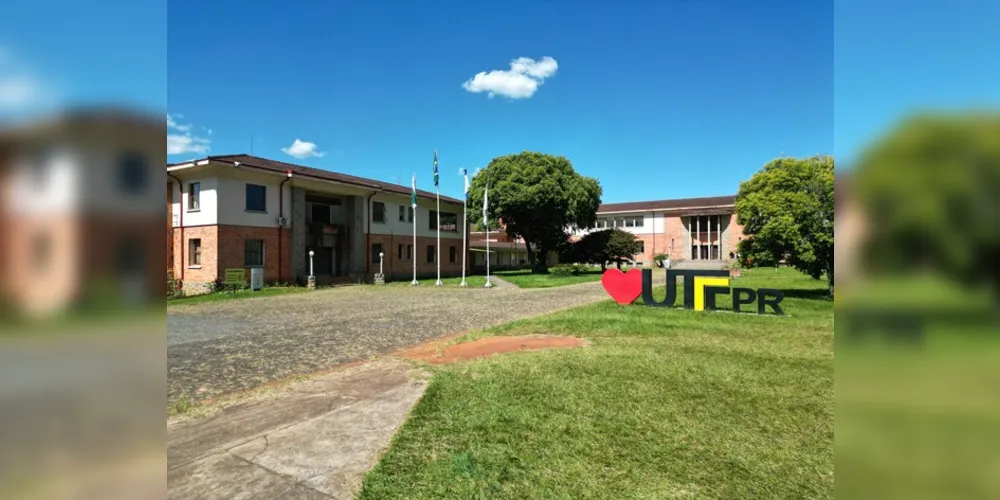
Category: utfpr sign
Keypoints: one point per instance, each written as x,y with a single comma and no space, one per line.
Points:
701,290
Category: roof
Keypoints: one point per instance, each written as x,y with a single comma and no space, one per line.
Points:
89,117
282,167
681,203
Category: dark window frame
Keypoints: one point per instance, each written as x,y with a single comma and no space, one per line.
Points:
263,198
194,197
248,252
431,254
194,252
375,219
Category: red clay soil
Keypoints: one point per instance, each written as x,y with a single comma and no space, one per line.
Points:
439,352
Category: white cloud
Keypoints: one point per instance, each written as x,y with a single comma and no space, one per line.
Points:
19,87
521,81
183,141
302,149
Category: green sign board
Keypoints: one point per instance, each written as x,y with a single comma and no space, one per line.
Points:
234,277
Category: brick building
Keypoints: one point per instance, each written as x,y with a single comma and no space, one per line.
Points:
688,228
242,211
80,208
684,229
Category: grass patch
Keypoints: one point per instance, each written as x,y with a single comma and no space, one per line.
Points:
666,403
240,294
524,278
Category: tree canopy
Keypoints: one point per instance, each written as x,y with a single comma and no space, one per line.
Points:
787,212
930,191
607,245
537,196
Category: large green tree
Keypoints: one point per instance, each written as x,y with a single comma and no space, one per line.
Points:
537,197
930,192
787,210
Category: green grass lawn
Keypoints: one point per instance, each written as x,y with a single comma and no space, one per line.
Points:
524,278
241,294
665,403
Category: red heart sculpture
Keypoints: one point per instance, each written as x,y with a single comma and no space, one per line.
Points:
623,287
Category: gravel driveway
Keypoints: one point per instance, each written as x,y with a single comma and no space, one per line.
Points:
223,347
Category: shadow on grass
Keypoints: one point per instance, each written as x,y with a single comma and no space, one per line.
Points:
808,294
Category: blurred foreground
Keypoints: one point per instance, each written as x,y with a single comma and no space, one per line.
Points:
918,312
82,334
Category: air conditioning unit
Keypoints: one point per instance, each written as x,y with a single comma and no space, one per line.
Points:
282,221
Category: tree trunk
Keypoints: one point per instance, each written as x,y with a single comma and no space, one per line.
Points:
540,265
829,276
531,255
618,264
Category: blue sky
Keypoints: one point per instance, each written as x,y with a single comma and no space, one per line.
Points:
658,99
655,99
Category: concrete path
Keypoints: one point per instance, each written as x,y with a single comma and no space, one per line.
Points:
231,346
314,440
702,264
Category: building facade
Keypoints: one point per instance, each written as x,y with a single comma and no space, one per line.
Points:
247,212
684,229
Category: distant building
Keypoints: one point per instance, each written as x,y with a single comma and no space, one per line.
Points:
79,212
242,211
688,228
684,229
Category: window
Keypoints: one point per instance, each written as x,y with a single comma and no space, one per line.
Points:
640,221
194,252
376,250
400,251
253,253
642,247
378,211
449,221
409,252
320,213
42,251
634,221
402,213
133,174
430,253
194,196
256,198
409,217
452,254
620,222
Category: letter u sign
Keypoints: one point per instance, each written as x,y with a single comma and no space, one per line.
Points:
701,288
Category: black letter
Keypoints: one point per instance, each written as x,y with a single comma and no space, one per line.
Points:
647,289
762,300
751,296
710,292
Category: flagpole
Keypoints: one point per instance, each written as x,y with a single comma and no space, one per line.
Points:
465,231
488,284
486,223
413,255
438,259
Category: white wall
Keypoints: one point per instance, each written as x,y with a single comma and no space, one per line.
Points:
652,223
231,193
45,185
423,214
207,215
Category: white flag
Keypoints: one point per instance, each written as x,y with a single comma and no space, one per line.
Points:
465,172
486,203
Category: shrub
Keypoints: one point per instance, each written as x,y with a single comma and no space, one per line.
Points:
562,270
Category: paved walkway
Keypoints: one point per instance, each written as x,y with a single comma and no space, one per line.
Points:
313,441
231,346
